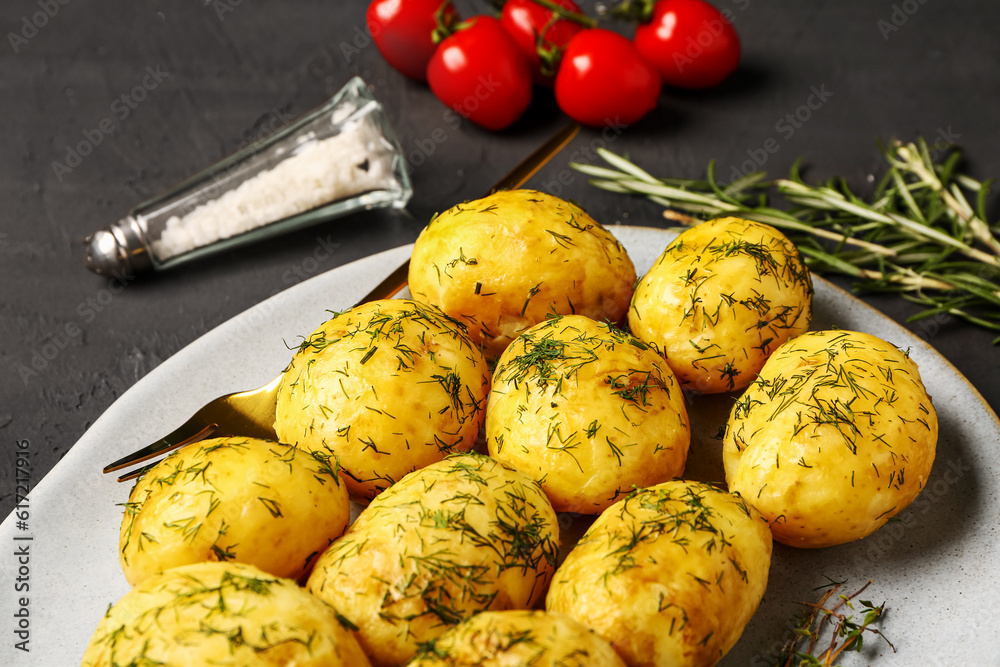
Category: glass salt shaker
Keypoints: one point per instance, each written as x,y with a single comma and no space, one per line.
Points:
338,159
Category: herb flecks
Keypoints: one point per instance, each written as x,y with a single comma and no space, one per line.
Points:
456,528
364,359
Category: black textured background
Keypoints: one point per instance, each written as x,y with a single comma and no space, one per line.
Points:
232,70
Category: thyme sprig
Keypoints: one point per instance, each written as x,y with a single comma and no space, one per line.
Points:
923,232
821,620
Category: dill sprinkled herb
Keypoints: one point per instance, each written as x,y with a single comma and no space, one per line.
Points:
349,392
697,555
565,380
505,262
821,414
215,614
457,537
517,637
719,298
917,234
233,499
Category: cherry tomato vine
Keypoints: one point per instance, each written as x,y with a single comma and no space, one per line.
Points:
487,67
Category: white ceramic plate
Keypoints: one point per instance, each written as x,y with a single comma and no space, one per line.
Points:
937,568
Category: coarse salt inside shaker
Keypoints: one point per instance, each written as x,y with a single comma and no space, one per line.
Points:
340,158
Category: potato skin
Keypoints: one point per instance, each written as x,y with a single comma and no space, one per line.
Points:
519,639
670,575
836,436
588,411
719,299
460,536
221,614
387,387
242,499
503,263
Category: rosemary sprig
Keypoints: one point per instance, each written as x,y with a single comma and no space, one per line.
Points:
810,645
917,235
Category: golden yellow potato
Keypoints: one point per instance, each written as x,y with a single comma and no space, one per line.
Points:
387,387
519,639
587,410
240,499
719,299
503,263
835,437
670,575
221,614
460,536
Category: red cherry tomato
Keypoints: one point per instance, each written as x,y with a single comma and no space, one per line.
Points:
403,32
603,80
480,73
525,20
690,42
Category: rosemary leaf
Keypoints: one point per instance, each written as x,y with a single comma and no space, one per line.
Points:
917,234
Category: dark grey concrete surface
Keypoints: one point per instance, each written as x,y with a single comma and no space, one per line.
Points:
222,72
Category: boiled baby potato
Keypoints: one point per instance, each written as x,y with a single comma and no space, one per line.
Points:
503,263
719,299
242,499
518,639
670,575
221,614
587,410
386,387
835,437
460,536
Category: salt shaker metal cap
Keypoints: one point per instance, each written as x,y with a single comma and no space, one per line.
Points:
338,159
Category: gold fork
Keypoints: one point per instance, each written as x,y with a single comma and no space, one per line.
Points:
251,413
